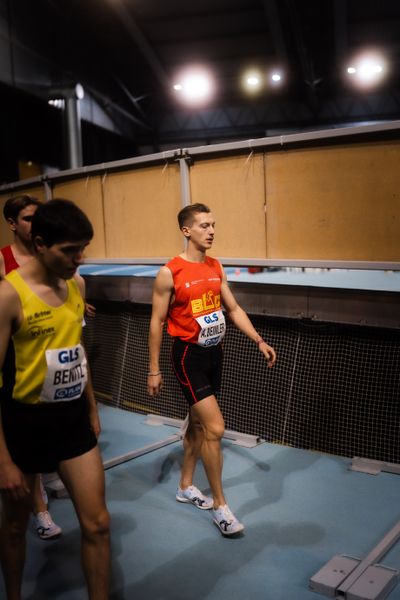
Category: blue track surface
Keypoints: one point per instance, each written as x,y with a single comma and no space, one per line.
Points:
300,508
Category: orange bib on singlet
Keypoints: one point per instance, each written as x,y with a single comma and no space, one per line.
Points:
196,314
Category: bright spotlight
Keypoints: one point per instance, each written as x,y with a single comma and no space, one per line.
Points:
79,91
368,69
57,103
252,81
195,86
276,77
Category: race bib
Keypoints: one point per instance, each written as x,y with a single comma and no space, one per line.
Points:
66,374
212,328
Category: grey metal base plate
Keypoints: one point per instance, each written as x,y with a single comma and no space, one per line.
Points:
373,467
375,583
328,579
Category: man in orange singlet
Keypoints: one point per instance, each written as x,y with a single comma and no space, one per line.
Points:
189,293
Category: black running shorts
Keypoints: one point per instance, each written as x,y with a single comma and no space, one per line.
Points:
40,436
197,369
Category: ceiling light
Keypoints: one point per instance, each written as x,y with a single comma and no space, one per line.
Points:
367,70
195,85
57,102
79,91
276,77
252,81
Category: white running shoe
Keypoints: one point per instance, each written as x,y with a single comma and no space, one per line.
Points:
193,495
226,521
45,526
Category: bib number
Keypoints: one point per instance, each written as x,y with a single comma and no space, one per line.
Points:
212,328
66,374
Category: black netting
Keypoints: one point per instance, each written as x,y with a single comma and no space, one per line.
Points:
335,388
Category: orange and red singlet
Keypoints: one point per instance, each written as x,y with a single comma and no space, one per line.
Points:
9,259
195,314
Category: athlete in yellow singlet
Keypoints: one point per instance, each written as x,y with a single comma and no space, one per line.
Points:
49,418
18,212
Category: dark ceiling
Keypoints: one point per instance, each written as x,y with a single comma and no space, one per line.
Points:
126,54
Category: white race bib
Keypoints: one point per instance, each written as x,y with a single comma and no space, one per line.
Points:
66,374
212,328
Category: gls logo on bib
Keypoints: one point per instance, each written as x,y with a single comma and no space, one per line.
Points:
66,375
212,328
68,355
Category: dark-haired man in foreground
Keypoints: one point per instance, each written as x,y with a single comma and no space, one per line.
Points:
49,418
18,211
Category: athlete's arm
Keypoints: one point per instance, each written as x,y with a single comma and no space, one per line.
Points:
90,310
2,266
12,479
242,321
89,392
163,287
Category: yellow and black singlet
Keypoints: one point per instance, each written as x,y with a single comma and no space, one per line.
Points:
45,361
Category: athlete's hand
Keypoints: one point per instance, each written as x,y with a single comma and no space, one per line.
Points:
12,481
268,352
90,310
94,421
154,384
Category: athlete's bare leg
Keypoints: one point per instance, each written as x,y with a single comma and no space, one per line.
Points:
14,521
83,477
192,443
38,504
208,414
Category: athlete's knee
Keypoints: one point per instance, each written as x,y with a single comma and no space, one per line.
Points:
14,528
214,431
97,525
194,430
14,514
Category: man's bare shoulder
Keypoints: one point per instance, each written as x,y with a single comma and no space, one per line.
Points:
165,275
80,283
164,281
9,299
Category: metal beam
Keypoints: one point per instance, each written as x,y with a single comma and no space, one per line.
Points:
341,38
262,262
310,78
276,31
137,36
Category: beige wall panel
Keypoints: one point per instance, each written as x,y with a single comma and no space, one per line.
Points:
140,212
337,203
233,187
87,194
6,237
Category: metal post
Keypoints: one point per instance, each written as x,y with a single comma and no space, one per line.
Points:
185,182
72,123
185,185
48,192
73,127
